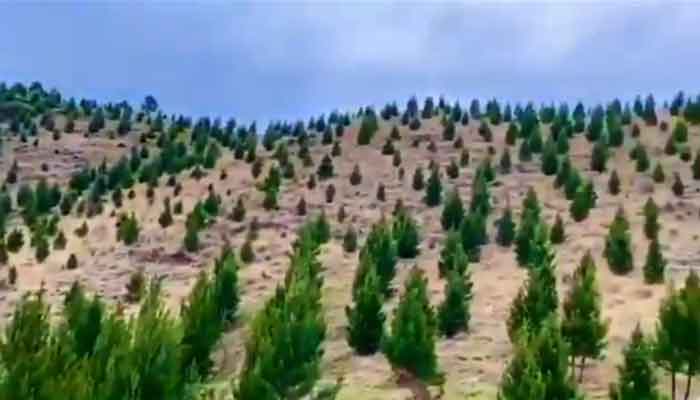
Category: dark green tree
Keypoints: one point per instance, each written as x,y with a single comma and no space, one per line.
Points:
366,319
637,378
582,325
618,245
433,189
453,312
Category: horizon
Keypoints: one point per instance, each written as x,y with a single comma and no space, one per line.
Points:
245,61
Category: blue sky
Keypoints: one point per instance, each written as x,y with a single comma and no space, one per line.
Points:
288,60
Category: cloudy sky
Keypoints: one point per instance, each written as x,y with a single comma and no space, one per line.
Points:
269,60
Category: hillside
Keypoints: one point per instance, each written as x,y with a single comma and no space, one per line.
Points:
473,362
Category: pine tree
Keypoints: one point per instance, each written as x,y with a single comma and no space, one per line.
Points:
670,334
433,189
72,262
366,319
388,148
128,231
448,131
411,341
453,211
396,160
238,212
405,231
563,173
453,312
191,240
247,253
325,169
678,187
356,176
680,132
166,218
581,205
330,193
418,182
464,158
452,169
618,245
637,379
550,160
599,156
452,255
651,219
552,352
582,325
380,247
506,228
301,207
695,167
655,265
350,240
505,162
512,134
524,152
522,379
557,234
474,235
614,183
658,175
642,158
537,300
670,147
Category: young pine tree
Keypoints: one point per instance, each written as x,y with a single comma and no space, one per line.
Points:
658,174
614,183
453,312
405,231
557,235
453,211
655,265
582,325
366,318
651,219
505,233
618,245
411,341
433,189
637,378
678,187
418,181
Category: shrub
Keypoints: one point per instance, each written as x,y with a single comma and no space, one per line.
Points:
136,287
72,262
247,253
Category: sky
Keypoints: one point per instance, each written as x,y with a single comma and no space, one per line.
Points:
271,60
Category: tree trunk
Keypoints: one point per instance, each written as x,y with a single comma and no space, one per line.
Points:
573,366
688,382
583,365
673,385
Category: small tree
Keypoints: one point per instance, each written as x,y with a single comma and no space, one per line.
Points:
452,169
356,176
191,240
418,181
433,190
655,264
599,156
72,262
15,240
505,163
618,245
522,379
651,219
637,379
411,342
350,240
678,187
247,253
406,234
583,326
366,319
330,193
166,218
238,212
642,158
658,175
60,241
453,312
325,169
301,207
506,228
453,211
128,231
557,234
464,158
